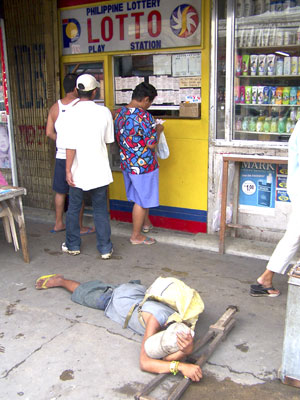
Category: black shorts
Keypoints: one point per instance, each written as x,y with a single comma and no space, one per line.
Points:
60,184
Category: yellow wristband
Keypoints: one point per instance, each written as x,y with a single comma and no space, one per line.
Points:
174,367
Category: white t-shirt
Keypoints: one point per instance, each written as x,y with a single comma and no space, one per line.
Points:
89,127
60,127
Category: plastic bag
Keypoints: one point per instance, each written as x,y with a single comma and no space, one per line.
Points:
162,149
185,301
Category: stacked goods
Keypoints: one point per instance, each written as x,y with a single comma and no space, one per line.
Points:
267,65
272,95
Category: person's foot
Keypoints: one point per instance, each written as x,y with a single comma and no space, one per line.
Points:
85,230
264,288
261,291
147,240
107,256
137,238
65,249
268,284
48,281
58,228
147,228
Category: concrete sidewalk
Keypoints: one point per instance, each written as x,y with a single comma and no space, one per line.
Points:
51,348
200,241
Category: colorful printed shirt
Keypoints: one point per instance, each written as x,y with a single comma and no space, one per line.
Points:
134,130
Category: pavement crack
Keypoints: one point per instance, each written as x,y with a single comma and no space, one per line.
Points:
132,339
6,373
239,372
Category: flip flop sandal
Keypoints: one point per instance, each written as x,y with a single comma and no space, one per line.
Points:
46,279
59,230
260,291
90,231
147,241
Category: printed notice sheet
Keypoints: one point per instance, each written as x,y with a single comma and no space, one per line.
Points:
162,64
194,64
180,65
186,64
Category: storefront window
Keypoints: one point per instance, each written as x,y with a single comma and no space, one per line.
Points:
266,66
177,78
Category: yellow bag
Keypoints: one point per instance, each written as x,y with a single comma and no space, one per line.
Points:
185,301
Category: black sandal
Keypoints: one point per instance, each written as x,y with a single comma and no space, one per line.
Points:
261,291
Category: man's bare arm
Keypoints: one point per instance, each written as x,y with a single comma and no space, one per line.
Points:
192,371
69,162
52,117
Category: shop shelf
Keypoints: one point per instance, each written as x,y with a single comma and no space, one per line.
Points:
269,76
289,16
264,133
285,48
267,105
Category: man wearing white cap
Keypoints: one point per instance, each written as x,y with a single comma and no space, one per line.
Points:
89,127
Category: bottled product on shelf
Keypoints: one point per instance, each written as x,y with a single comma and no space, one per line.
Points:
264,125
268,95
267,65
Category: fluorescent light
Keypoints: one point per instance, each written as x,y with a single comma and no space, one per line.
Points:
282,53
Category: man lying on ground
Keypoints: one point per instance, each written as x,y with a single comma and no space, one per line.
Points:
130,305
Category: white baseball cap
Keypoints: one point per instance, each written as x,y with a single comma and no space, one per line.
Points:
87,82
164,342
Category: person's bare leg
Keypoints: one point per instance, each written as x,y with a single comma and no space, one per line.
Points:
138,217
147,222
58,281
266,280
84,229
59,200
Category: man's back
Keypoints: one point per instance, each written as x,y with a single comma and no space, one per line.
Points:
89,128
63,106
54,113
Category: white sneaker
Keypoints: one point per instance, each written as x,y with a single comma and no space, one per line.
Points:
66,250
107,256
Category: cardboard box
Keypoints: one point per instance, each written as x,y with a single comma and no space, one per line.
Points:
189,110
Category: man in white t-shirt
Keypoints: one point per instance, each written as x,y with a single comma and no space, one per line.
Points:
54,130
88,127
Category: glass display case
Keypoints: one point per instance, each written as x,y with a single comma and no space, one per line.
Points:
264,90
176,77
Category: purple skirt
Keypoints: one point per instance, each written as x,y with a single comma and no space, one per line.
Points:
142,189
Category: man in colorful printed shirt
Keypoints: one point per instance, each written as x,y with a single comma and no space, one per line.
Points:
137,135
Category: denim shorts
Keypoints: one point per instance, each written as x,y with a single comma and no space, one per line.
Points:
60,184
94,294
142,189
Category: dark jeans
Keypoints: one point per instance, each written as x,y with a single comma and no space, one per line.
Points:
101,219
